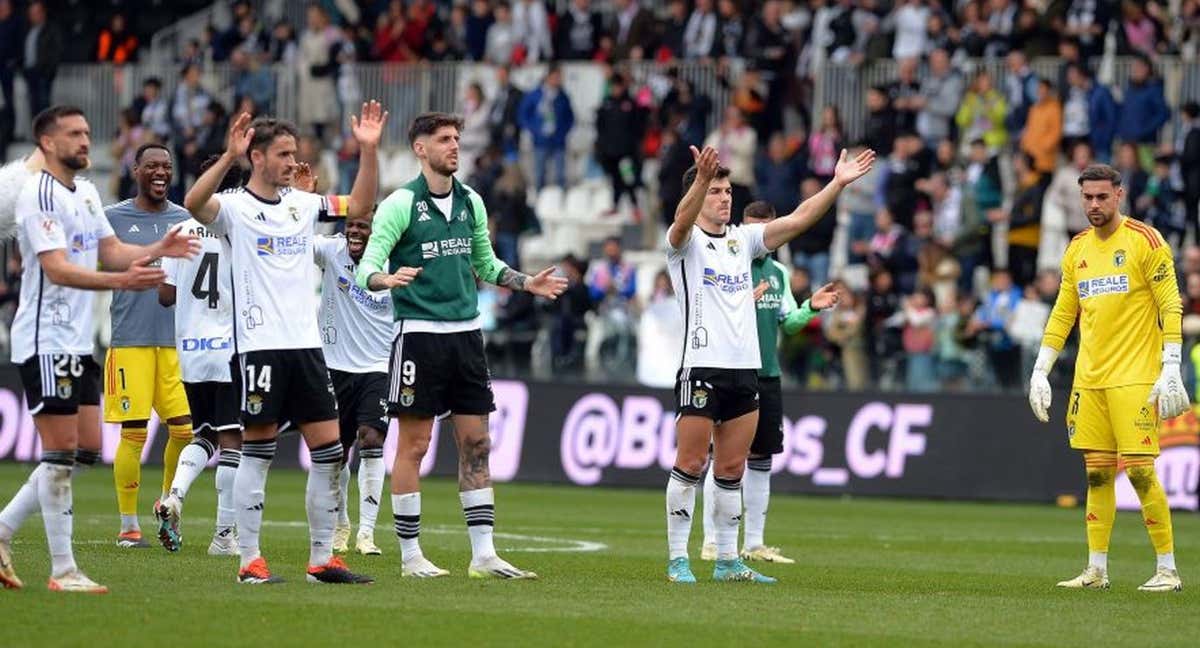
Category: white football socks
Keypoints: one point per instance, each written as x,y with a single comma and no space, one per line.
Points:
479,508
227,467
727,516
681,500
322,500
54,495
344,496
406,512
370,487
249,495
756,495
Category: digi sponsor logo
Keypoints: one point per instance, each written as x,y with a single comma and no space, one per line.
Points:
728,283
281,245
204,344
1107,285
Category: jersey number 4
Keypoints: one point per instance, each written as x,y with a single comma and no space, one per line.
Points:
205,285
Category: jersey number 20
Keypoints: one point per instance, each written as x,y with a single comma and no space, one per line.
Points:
205,285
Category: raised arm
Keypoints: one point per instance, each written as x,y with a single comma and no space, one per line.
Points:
781,230
689,208
368,131
200,200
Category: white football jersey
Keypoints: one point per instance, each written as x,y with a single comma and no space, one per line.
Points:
203,307
274,278
711,278
51,216
356,324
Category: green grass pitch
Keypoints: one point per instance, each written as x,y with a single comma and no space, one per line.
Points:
869,572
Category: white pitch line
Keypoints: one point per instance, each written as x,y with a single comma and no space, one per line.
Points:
566,545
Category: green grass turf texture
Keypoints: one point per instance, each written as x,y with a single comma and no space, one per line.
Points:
868,572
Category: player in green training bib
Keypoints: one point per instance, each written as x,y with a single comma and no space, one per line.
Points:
776,308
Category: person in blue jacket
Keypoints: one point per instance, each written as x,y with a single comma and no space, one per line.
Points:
546,113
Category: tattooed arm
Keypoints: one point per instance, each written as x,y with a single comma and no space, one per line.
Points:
493,270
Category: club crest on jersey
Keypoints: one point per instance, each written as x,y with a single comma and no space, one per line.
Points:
462,216
734,246
1071,431
407,396
63,388
294,213
699,398
254,404
774,281
87,202
125,404
1119,258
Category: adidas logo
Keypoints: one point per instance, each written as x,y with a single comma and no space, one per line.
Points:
134,228
1151,522
423,217
712,247
371,500
682,513
1082,265
1146,441
256,507
71,511
1091,517
261,217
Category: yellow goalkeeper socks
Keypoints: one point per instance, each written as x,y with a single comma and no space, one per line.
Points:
1101,504
1156,513
127,474
180,437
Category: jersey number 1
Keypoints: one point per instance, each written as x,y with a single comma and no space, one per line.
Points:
205,285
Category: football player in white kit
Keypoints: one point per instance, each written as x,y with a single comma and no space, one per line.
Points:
276,335
356,329
63,237
204,341
717,387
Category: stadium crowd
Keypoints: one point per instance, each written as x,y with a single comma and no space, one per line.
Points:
948,254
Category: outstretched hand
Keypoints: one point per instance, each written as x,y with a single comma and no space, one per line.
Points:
368,128
546,284
400,278
178,245
825,297
848,170
706,161
303,178
237,141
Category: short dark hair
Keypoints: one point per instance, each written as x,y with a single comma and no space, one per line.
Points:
137,156
429,123
47,120
266,129
1100,173
152,81
1191,109
759,209
689,176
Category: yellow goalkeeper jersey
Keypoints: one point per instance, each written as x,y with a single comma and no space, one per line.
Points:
1124,294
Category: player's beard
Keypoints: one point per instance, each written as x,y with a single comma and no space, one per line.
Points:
1100,219
77,162
445,166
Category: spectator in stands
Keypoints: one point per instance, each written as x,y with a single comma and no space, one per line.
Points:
778,173
905,93
941,92
674,158
225,42
516,328
1043,130
116,44
152,108
632,29
993,316
511,213
621,123
981,115
660,336
501,36
547,114
476,134
1024,219
252,80
1160,204
479,22
10,58
824,147
568,313
281,47
187,114
918,337
1068,55
317,108
908,20
610,278
732,30
700,34
693,108
1020,90
1133,178
898,178
208,140
1189,23
1002,22
1063,215
672,39
845,327
860,201
883,338
889,250
736,144
1027,323
1139,33
1143,111
880,126
454,34
130,135
1189,165
505,112
579,30
43,51
532,25
247,35
811,251
1087,21
1091,111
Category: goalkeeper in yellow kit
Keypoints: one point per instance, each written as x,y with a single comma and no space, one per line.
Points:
1118,278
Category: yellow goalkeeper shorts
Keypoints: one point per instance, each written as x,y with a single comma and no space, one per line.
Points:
1115,420
138,379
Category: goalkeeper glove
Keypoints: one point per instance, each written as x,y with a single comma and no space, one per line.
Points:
1168,390
1039,384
